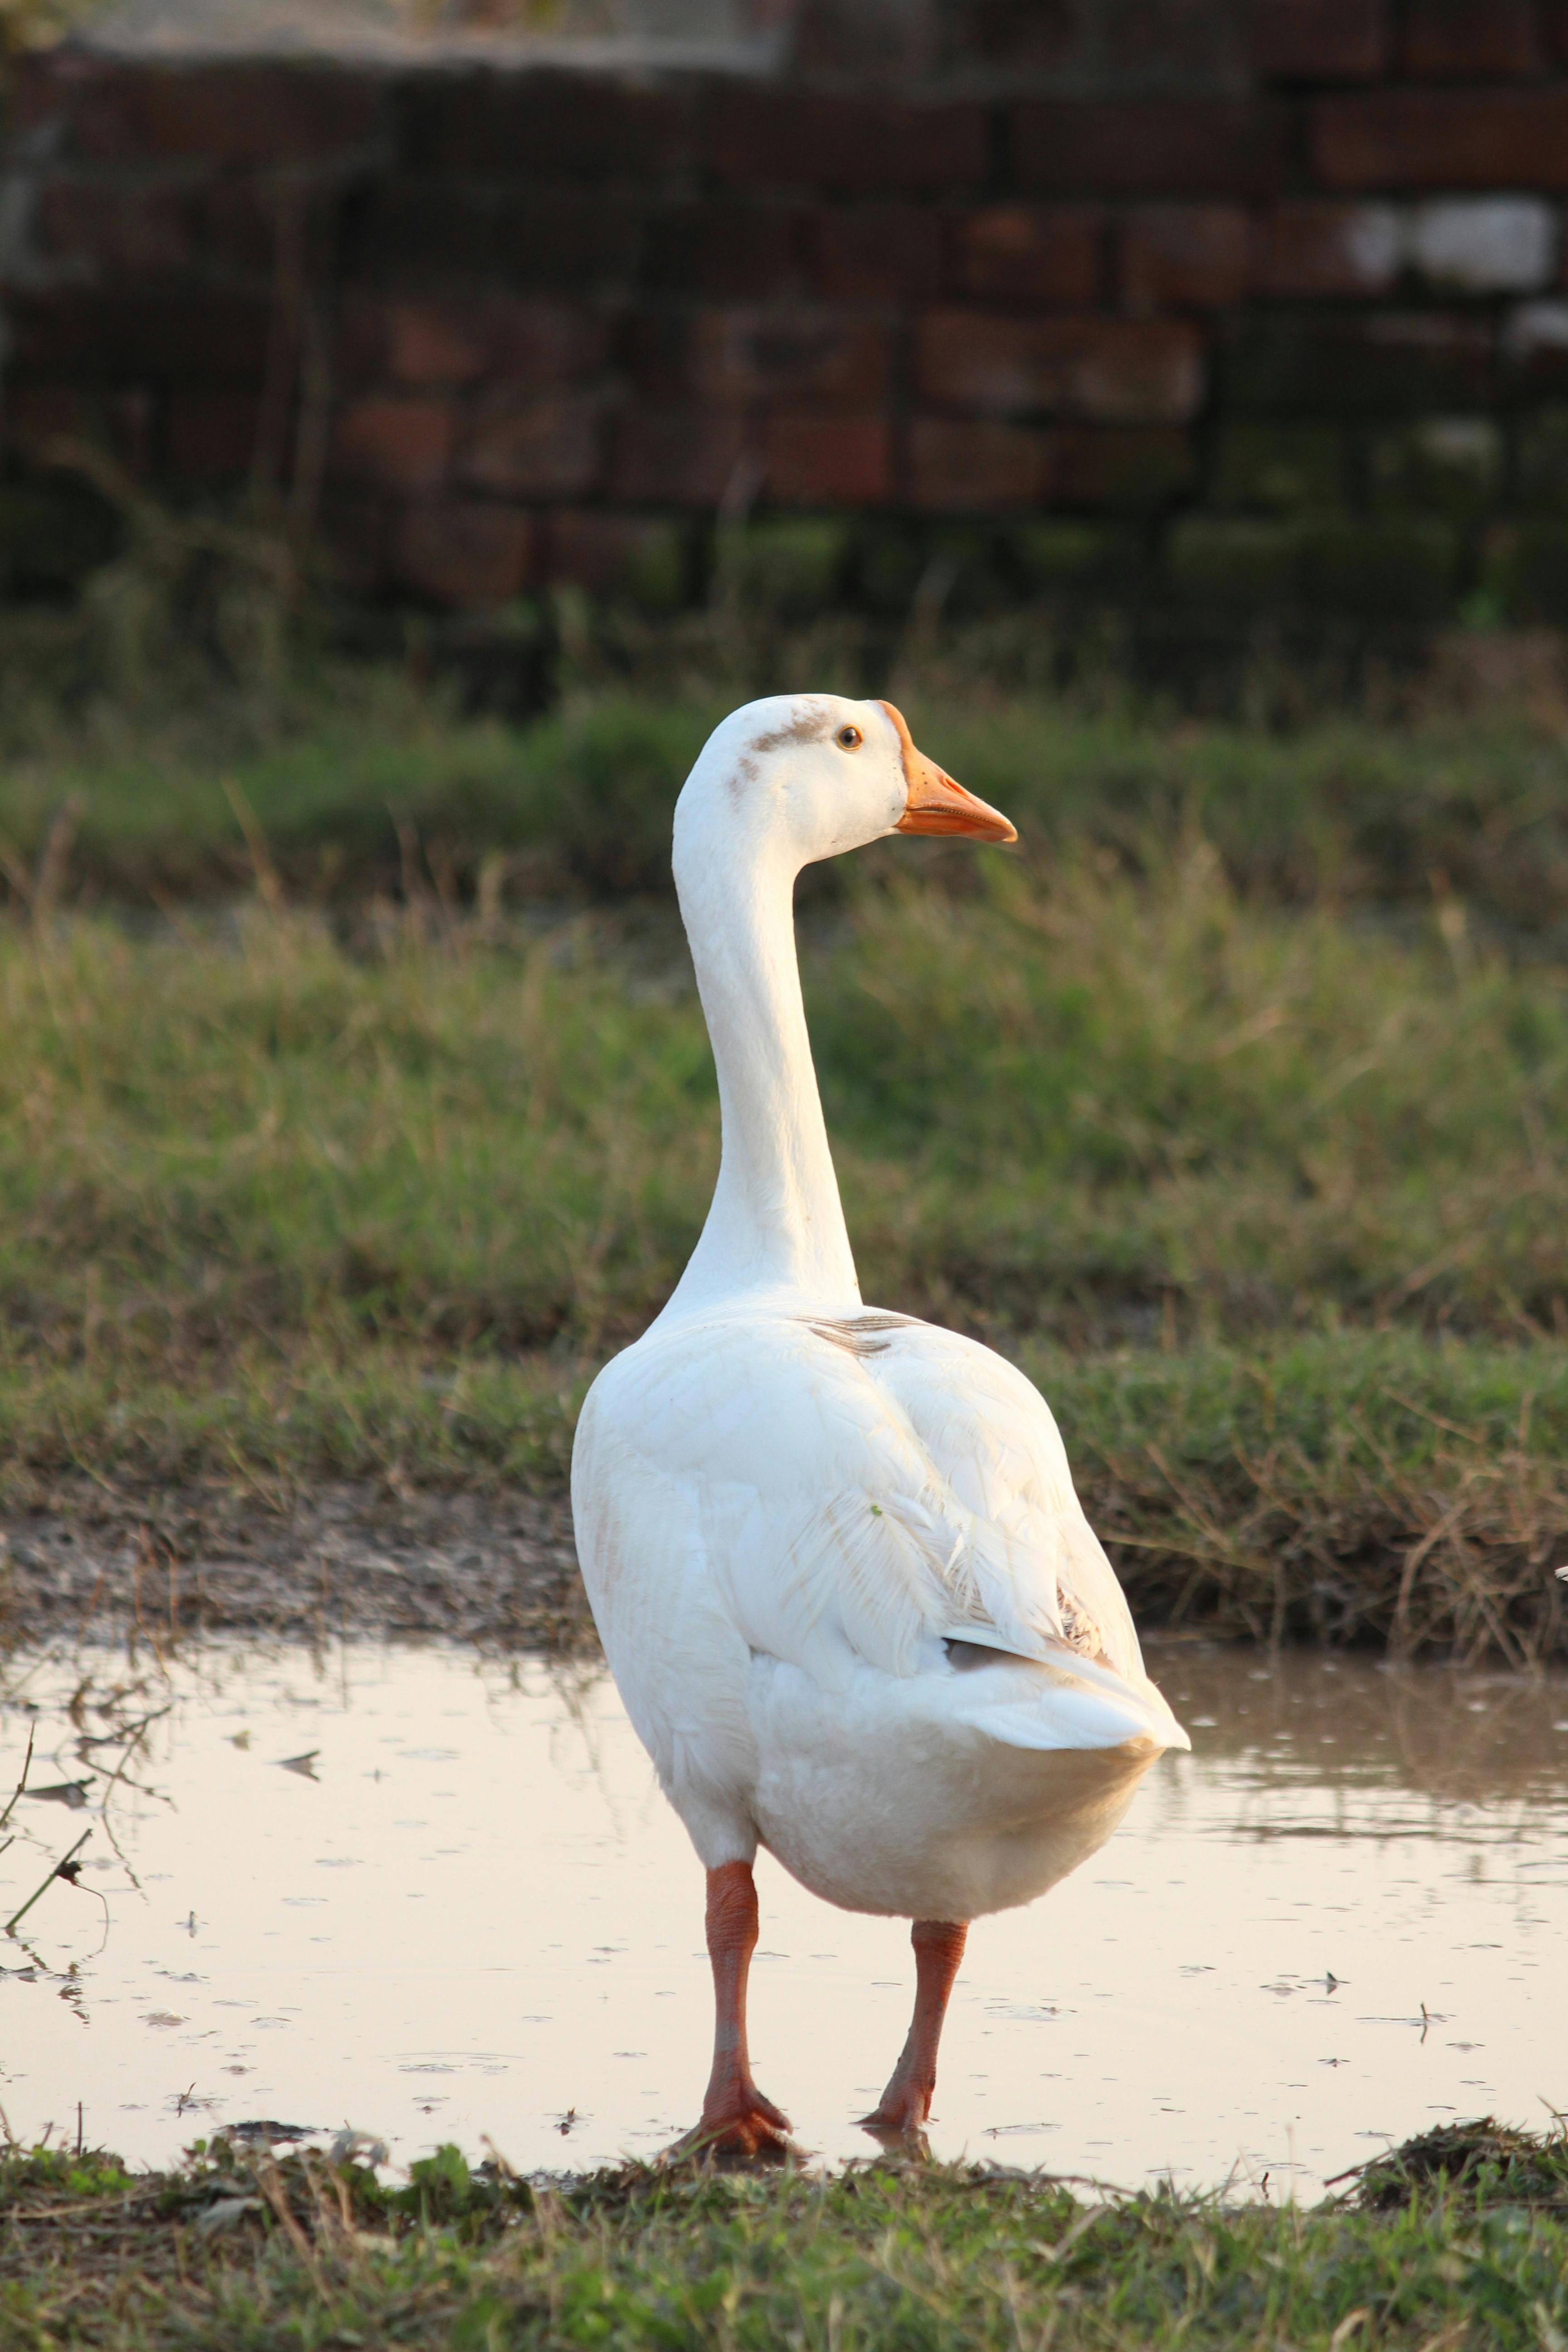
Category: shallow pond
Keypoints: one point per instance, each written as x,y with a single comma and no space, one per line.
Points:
437,1897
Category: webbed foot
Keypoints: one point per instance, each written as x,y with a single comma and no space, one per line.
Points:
739,2126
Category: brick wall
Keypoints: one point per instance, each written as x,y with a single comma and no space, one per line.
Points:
1270,315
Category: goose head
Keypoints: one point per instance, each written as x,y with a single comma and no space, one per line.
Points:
799,777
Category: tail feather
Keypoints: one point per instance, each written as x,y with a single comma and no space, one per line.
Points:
1092,1708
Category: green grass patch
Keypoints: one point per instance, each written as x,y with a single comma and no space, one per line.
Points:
1460,2238
358,779
1363,1486
1223,1108
1086,1108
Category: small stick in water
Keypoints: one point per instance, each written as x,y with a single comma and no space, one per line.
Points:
27,1764
61,1870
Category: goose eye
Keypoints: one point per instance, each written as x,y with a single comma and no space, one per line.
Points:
850,738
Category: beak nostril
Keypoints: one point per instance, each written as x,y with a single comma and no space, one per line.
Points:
937,804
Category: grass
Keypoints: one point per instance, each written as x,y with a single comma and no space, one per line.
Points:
365,774
355,1104
1458,2239
1363,1486
353,1110
1073,1105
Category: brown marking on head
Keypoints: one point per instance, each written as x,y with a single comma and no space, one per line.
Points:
743,773
808,729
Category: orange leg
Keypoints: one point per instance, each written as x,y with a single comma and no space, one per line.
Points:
906,2103
736,2119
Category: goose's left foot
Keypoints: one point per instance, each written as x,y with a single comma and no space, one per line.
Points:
736,2119
908,2146
738,2122
904,2105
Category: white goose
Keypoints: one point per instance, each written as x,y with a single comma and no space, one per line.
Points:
841,1576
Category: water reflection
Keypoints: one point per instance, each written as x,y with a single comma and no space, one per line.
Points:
435,1897
1457,1737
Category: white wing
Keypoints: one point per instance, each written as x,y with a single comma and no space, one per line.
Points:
990,1438
867,1489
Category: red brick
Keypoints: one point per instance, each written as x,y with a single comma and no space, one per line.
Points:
563,240
239,219
957,467
549,449
830,357
1325,249
419,233
404,445
1535,348
762,132
1443,138
39,417
164,336
873,253
537,344
40,85
1382,363
110,228
247,112
434,234
541,344
211,437
1048,254
683,456
36,415
1460,38
1319,40
1194,253
847,38
824,461
594,549
435,342
721,247
530,345
238,225
1163,147
1124,371
540,120
352,534
1121,467
1190,45
655,356
460,552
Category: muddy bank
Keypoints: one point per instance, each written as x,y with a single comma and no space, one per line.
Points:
1457,1577
340,1558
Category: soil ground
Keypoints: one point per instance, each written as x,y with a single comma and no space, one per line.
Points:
342,1558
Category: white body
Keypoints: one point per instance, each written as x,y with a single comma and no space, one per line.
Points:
834,1556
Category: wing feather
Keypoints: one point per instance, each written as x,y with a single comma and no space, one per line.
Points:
870,1503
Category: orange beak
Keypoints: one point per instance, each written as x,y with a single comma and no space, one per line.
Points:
935,803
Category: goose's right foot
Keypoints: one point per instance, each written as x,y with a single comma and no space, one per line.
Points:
736,2119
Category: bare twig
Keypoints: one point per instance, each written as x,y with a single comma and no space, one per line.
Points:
21,1785
60,1870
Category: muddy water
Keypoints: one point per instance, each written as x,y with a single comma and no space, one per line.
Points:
437,1898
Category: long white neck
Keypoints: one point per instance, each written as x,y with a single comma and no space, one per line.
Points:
776,1223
